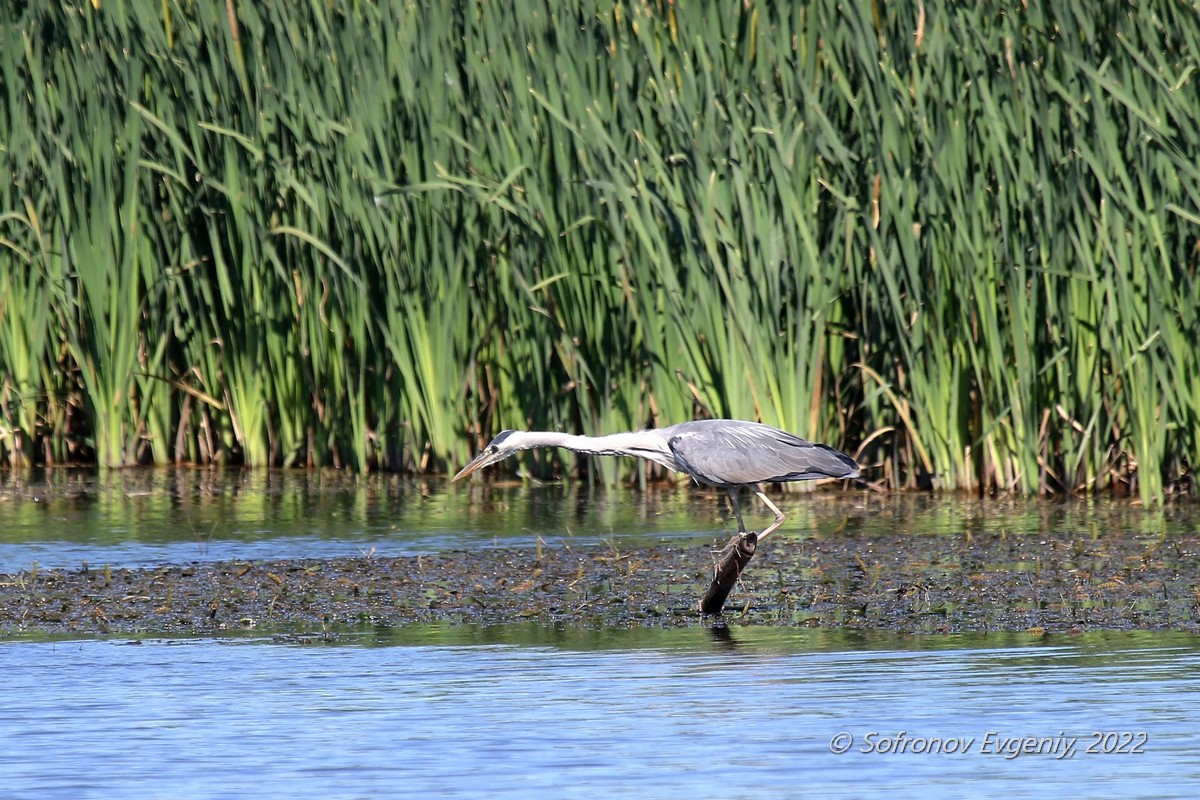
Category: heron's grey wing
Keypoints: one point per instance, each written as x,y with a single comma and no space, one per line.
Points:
729,453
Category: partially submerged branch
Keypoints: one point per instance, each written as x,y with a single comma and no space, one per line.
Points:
734,558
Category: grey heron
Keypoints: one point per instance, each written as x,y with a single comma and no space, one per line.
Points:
724,453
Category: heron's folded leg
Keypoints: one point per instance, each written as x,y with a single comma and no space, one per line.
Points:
778,514
736,509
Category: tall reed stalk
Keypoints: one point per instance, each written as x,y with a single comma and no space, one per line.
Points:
24,337
959,240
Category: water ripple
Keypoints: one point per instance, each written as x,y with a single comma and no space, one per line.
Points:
103,718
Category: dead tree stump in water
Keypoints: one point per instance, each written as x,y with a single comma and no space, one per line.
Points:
734,558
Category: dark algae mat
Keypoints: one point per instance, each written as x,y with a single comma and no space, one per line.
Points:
914,583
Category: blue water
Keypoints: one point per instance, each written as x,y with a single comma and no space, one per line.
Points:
527,711
523,712
142,518
62,519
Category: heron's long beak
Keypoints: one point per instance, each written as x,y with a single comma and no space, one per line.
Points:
479,462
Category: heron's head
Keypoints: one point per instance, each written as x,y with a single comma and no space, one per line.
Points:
504,445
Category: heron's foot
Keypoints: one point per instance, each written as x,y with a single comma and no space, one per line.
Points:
740,540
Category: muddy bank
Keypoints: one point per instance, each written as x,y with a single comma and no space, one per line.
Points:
905,583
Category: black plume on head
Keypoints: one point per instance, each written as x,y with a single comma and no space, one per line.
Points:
500,437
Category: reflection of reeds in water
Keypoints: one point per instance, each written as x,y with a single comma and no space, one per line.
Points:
375,236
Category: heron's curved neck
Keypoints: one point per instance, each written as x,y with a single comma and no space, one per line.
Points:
643,444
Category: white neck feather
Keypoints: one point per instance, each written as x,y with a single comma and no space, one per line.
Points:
647,444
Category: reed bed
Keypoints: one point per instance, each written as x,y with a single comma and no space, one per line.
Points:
959,241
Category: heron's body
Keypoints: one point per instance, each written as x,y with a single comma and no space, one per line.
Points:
724,453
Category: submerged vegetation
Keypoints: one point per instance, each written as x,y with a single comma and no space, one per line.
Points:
961,241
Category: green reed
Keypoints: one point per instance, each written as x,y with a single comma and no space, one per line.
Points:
372,235
25,323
